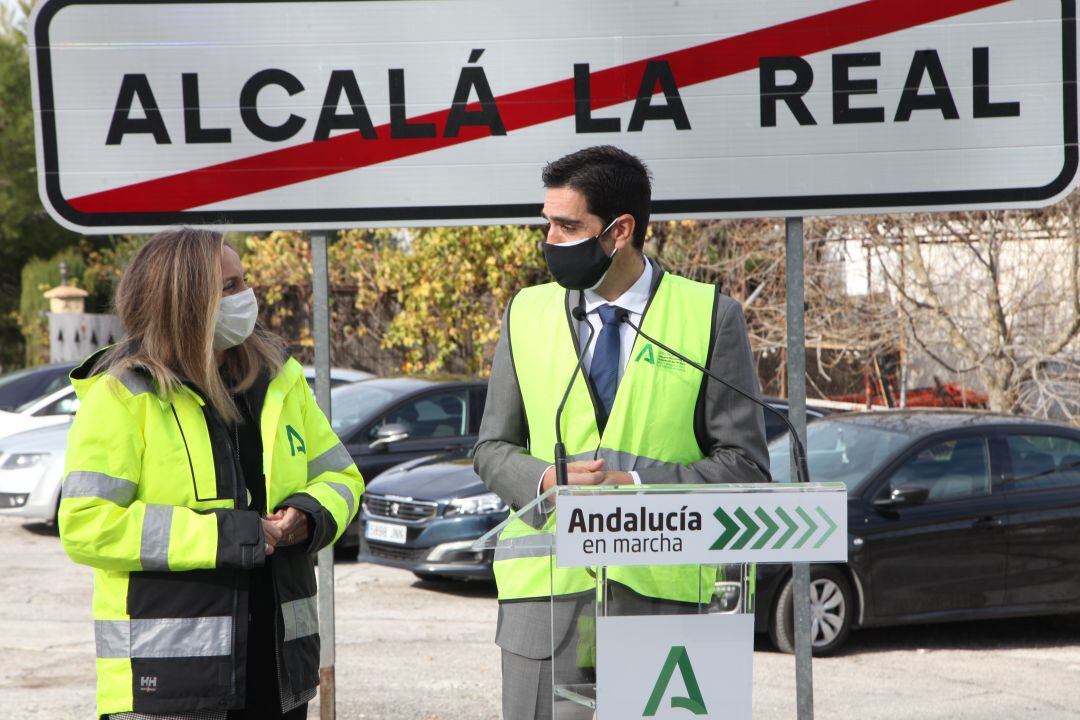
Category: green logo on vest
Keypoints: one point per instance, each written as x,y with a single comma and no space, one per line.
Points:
646,354
660,359
296,443
695,703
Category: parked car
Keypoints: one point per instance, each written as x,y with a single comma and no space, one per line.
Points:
775,427
56,408
951,516
387,421
338,376
33,441
31,469
22,386
425,514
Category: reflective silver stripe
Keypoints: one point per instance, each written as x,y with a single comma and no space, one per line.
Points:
618,460
112,638
344,491
181,637
525,546
511,553
541,540
136,383
301,618
164,637
336,459
154,552
83,483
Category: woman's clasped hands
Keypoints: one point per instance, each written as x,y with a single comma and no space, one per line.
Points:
287,526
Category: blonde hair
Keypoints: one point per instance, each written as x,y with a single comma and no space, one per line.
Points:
168,301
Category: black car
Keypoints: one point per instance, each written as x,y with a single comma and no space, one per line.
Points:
21,386
386,421
951,516
775,427
425,515
413,514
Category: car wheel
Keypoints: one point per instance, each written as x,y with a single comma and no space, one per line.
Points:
832,611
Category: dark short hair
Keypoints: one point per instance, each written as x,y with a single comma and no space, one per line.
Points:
613,182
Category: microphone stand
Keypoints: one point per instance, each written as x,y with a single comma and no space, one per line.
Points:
561,475
798,448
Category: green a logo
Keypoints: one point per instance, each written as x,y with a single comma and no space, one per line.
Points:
695,703
296,443
646,354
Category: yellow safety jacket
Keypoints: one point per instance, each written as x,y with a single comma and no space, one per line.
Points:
154,501
651,423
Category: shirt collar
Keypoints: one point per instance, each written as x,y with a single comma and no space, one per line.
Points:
635,299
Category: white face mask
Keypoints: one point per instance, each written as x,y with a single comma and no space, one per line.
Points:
235,319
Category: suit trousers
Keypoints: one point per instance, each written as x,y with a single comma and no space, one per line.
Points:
527,692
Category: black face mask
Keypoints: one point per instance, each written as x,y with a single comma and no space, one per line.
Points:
579,265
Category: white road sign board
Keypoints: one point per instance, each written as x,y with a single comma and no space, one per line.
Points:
385,112
776,522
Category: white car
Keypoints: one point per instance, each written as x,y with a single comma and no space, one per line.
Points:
56,408
31,469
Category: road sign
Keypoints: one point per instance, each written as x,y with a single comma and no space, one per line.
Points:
350,113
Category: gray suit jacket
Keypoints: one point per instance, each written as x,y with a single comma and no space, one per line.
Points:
731,430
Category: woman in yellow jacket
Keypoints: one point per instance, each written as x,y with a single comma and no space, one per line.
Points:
200,479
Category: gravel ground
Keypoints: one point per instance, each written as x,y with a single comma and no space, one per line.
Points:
409,650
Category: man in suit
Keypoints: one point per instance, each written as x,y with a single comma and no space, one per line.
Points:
637,416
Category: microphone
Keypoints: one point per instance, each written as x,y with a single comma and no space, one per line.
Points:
623,315
560,449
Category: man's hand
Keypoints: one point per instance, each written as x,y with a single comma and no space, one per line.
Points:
292,525
271,535
616,477
578,472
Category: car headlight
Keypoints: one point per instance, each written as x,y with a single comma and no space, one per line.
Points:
21,461
485,504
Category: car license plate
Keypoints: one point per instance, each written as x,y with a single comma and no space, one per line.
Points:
386,532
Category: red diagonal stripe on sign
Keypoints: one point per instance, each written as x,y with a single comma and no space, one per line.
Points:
524,108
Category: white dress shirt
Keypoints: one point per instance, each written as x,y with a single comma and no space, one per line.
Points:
634,300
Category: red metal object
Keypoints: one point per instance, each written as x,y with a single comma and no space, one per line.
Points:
941,395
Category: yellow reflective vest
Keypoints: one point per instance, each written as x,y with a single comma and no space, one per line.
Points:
651,423
154,501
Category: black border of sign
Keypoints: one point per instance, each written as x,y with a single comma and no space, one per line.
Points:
747,206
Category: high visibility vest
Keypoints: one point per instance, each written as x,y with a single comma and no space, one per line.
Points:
153,503
651,423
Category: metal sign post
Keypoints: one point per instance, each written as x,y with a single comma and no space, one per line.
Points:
796,381
320,282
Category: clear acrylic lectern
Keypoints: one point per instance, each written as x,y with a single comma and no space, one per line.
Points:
637,633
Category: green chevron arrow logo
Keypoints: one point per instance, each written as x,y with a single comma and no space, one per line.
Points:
730,529
811,527
792,526
830,531
770,528
751,528
740,530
